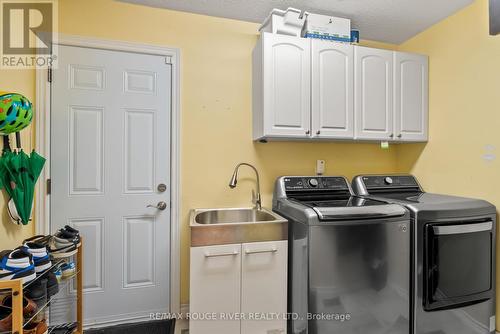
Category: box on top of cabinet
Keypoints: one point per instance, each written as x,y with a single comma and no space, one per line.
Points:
285,22
327,27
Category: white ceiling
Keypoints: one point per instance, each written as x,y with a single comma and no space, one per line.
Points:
392,21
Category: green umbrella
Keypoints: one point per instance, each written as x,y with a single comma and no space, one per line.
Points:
35,164
18,175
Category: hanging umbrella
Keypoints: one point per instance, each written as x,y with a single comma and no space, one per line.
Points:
18,175
34,165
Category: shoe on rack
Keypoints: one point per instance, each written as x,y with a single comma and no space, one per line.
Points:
65,243
29,306
5,319
58,273
68,269
70,229
37,292
17,264
36,328
37,246
52,284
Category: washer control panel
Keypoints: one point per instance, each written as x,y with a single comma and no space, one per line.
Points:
319,183
389,181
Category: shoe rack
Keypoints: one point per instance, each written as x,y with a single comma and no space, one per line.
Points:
16,288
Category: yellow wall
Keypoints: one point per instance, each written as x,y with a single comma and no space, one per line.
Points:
464,108
216,108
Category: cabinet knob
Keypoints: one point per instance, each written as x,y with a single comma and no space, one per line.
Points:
391,135
400,135
318,132
308,132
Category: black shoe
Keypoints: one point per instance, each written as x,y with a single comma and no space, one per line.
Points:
52,284
37,292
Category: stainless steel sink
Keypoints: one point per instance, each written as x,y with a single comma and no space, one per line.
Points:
235,225
234,216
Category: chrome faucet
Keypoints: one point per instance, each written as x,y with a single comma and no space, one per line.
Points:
256,198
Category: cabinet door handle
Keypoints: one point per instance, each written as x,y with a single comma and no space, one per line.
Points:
308,132
391,135
318,132
272,250
400,135
221,254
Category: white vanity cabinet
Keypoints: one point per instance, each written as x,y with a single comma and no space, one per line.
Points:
248,279
215,285
264,286
411,98
309,89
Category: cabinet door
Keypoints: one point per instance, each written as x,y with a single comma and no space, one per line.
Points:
286,72
411,97
264,286
373,109
332,90
215,284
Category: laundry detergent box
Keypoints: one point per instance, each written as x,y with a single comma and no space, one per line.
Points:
326,27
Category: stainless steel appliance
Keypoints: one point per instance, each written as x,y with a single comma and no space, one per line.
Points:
349,258
453,280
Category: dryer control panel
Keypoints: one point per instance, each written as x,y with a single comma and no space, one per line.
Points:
369,184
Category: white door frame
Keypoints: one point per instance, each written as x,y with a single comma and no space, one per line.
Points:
42,144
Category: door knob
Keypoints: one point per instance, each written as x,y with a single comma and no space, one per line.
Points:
160,206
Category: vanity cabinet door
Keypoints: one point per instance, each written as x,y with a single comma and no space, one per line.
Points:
215,284
264,286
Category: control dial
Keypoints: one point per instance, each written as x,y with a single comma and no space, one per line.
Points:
388,180
313,183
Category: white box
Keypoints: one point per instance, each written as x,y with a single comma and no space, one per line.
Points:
327,27
284,22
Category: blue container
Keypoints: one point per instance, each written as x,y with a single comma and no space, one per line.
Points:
355,36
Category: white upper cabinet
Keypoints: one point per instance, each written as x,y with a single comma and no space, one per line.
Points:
314,89
282,87
411,97
373,105
332,90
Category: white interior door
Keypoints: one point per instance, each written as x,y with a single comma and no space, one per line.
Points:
110,151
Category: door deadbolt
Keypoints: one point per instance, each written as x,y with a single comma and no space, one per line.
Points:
162,187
